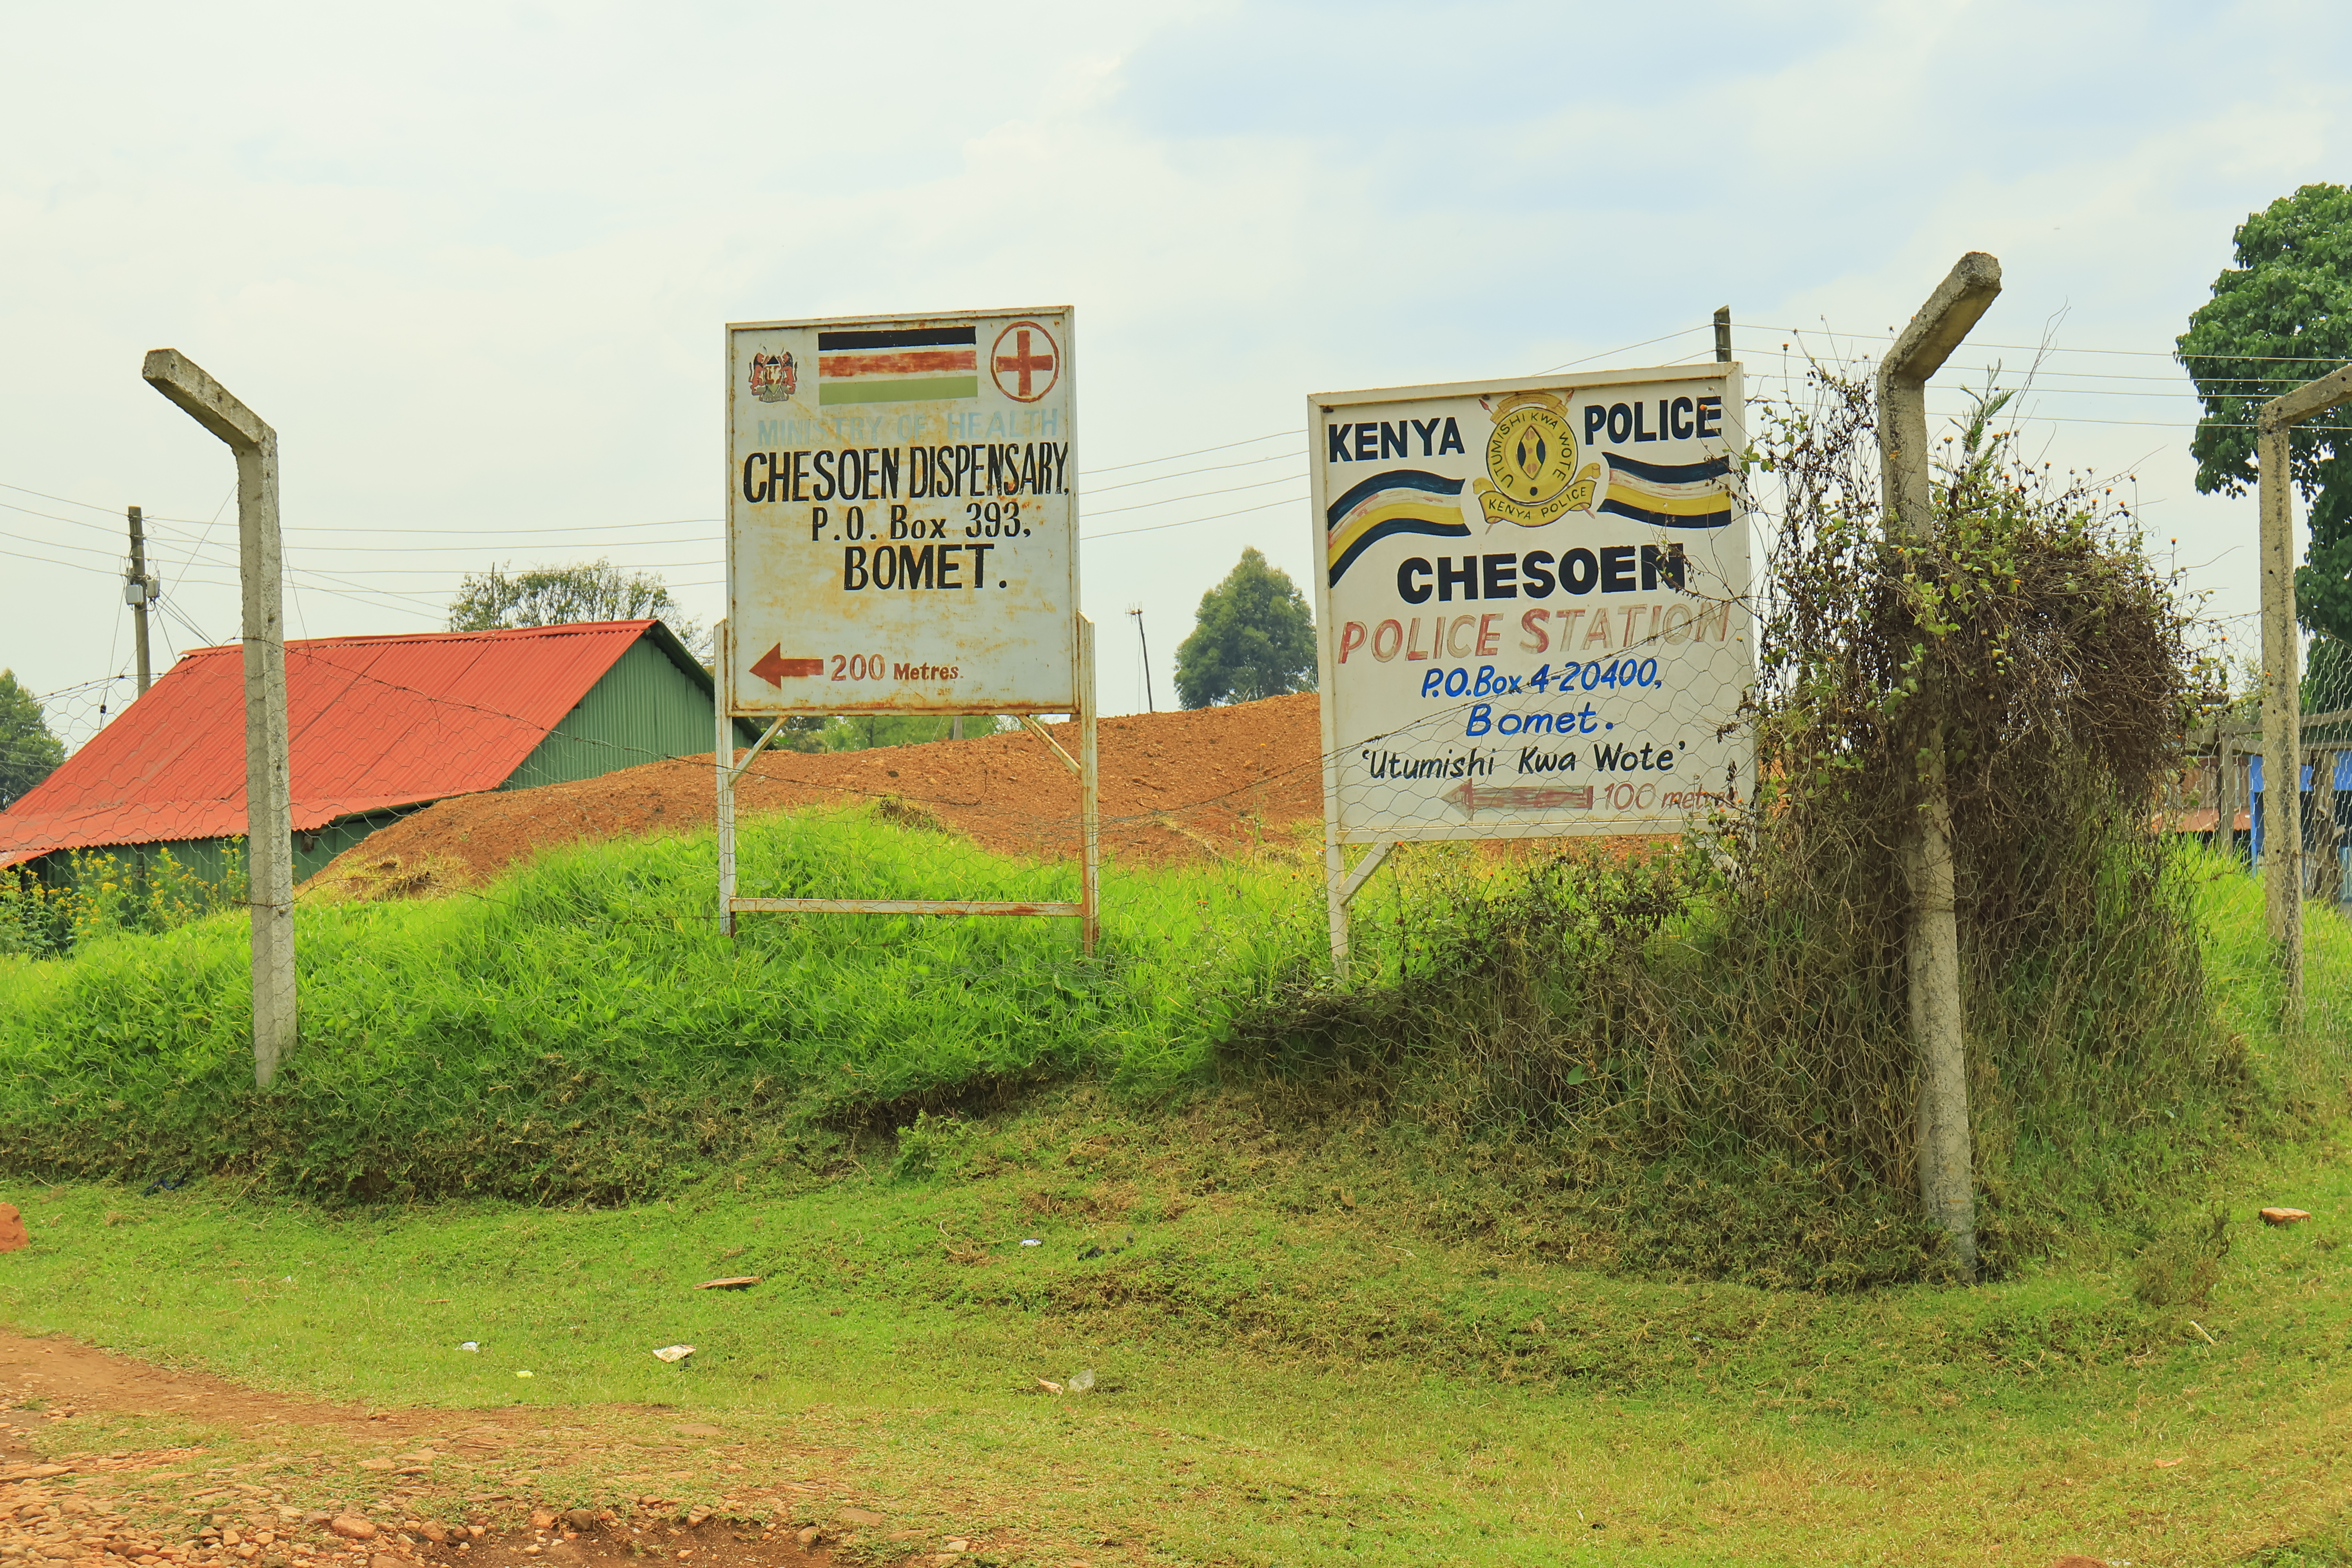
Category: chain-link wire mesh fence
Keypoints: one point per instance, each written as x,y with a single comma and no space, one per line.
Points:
1706,1039
2220,795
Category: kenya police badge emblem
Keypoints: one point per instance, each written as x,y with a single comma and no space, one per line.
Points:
1531,473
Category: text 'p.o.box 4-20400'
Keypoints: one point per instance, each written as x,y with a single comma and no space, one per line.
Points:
901,538
1532,609
899,516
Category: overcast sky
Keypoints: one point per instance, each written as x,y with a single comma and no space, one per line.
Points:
473,261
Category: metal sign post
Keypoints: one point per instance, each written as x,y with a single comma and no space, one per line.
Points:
902,538
1532,613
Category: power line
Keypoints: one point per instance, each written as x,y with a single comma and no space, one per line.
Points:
346,583
61,501
1196,495
1163,479
1187,522
478,539
2066,349
1629,348
199,544
1224,447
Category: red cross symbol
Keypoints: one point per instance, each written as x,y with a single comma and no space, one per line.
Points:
1026,374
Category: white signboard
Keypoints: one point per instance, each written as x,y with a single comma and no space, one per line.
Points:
900,532
1532,604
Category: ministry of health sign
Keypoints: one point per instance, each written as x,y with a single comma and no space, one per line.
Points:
900,527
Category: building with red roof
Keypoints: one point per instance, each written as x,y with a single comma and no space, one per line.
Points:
378,727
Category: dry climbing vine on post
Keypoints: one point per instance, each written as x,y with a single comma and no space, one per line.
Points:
2059,658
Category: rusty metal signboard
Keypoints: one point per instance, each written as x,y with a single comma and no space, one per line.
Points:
900,521
1531,609
902,536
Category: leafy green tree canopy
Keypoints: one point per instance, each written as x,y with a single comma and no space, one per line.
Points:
28,753
1252,637
566,595
2281,317
859,732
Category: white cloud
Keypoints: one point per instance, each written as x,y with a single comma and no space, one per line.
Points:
473,261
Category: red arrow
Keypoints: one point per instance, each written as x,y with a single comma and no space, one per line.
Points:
1519,797
774,667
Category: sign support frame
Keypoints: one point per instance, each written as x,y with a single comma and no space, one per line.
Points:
900,345
1340,886
1087,908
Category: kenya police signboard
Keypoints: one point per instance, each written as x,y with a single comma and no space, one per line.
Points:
900,532
1532,606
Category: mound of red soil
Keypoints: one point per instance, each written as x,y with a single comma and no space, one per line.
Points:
1172,784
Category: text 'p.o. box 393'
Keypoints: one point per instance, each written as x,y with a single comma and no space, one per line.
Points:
900,518
1532,607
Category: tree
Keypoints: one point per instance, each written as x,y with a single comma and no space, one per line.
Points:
2283,316
860,731
28,753
1252,637
565,595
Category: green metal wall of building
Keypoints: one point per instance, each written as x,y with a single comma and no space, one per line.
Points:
212,859
644,708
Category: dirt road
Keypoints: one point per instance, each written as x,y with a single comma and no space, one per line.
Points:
201,1472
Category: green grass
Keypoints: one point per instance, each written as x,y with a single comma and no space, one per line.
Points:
1330,1339
580,1029
1288,1371
1650,1073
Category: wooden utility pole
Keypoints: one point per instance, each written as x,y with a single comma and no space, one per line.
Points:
1945,1149
138,589
2225,787
1723,334
2282,677
2327,876
269,797
1150,704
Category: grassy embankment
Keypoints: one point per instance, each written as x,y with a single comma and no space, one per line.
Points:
1326,1341
580,1030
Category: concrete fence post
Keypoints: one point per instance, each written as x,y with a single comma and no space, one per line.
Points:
2281,717
2282,677
268,796
1938,1026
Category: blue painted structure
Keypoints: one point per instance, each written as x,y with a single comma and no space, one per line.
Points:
2343,809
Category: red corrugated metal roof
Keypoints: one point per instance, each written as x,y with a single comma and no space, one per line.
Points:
373,723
